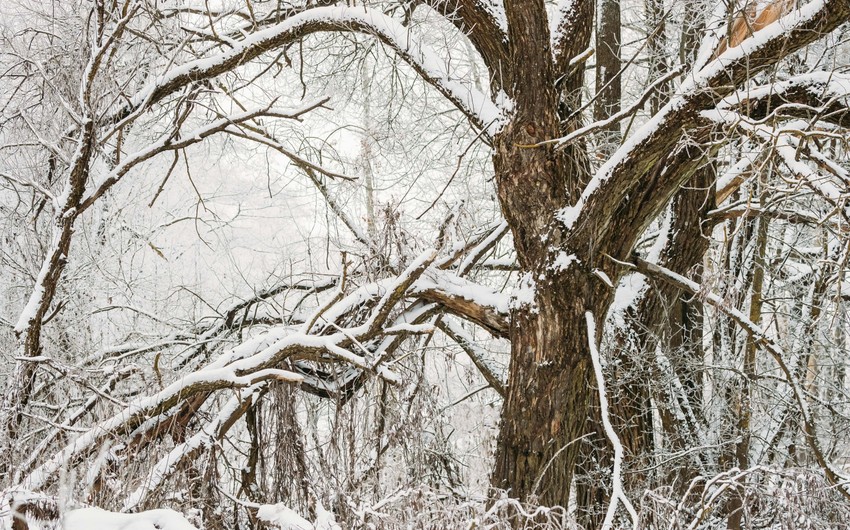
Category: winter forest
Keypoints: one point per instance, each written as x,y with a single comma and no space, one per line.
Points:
424,264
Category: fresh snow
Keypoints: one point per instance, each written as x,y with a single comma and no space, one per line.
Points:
525,293
563,261
496,9
822,84
282,517
617,493
692,84
629,291
97,519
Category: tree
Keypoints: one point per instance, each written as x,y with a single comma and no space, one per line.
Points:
575,222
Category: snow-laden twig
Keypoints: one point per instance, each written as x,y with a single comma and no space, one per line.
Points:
258,358
698,92
209,433
623,114
618,494
482,248
168,143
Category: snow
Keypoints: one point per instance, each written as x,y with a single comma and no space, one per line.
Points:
762,339
488,242
325,520
617,493
505,102
716,26
281,516
564,12
210,376
28,314
737,171
496,9
482,357
820,83
169,462
629,291
752,44
693,84
355,299
525,293
563,261
95,518
405,327
599,273
662,238
785,144
461,288
254,359
568,215
820,183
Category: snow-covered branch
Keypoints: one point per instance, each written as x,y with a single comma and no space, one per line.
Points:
618,494
169,143
335,340
474,104
640,154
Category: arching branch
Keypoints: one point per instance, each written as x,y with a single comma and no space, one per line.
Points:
478,107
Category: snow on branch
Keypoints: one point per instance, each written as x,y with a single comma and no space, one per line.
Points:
204,380
482,247
785,142
821,84
169,143
476,105
699,92
619,116
788,150
259,359
817,96
212,431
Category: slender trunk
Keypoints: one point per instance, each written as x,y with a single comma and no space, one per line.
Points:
742,448
657,50
366,150
29,327
608,64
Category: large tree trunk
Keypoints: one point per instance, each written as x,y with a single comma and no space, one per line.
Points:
551,384
547,397
548,388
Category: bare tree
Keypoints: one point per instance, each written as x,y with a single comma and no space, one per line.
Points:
584,212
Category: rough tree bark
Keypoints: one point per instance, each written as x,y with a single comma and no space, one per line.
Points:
544,412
